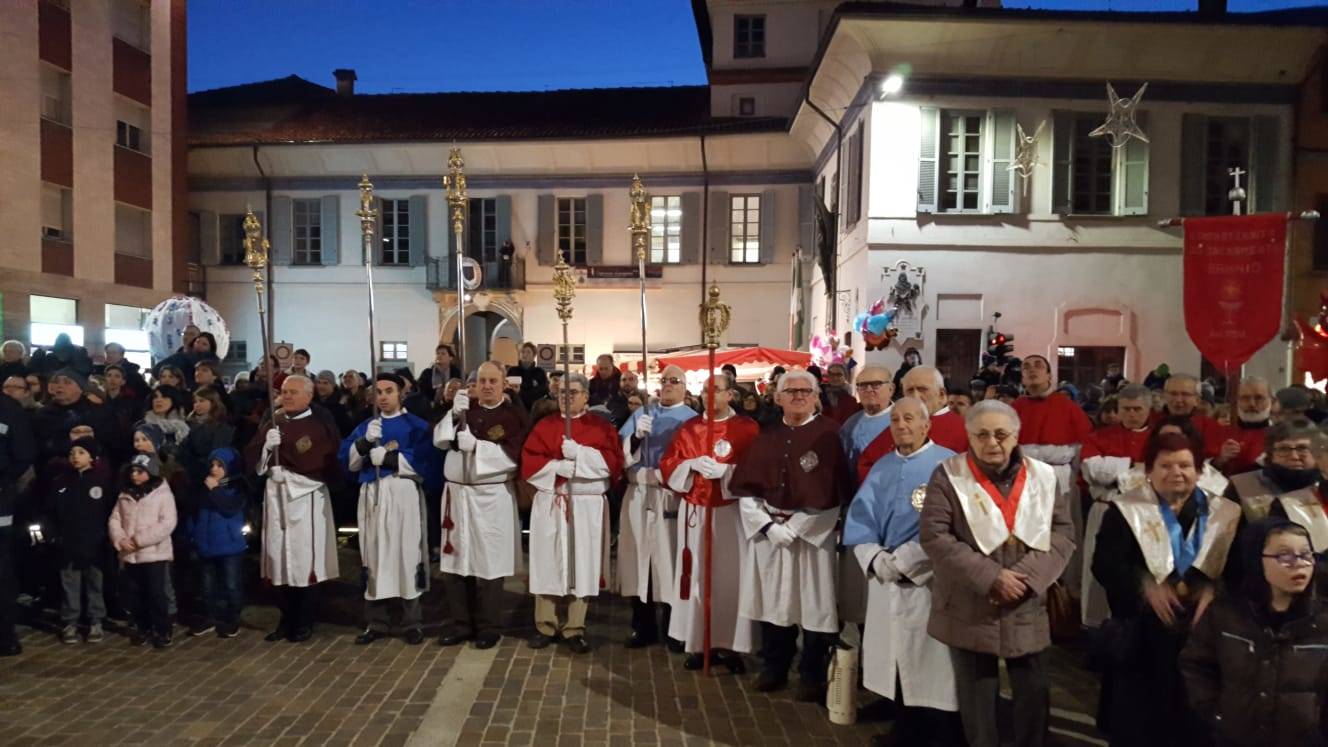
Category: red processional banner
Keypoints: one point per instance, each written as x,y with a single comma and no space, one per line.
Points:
1233,284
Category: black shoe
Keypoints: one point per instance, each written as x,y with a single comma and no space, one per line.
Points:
414,636
231,630
732,660
10,648
277,635
300,635
368,636
487,640
810,692
201,629
641,640
139,638
539,640
452,639
577,645
673,645
162,641
768,682
694,662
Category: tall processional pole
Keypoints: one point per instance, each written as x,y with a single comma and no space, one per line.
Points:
639,218
714,321
368,219
454,184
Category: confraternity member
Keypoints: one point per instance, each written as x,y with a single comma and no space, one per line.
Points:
998,534
391,455
900,661
569,523
299,456
481,537
875,390
947,426
648,522
792,484
698,465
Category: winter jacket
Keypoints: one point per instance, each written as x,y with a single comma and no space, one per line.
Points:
195,452
18,451
1259,686
149,519
79,505
217,527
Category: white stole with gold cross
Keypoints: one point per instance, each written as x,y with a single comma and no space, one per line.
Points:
1032,518
1143,514
1303,507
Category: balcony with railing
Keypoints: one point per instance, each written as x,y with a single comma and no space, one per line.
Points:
440,274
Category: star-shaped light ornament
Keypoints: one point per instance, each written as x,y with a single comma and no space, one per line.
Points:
1025,153
1121,125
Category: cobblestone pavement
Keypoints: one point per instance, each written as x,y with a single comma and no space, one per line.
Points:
208,691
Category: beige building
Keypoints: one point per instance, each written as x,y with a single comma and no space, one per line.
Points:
92,192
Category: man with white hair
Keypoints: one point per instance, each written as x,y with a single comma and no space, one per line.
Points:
875,387
900,661
998,533
648,519
947,427
791,484
1236,448
299,456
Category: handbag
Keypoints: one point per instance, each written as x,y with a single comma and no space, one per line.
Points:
1062,613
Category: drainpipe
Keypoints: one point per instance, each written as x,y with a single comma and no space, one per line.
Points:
267,230
832,283
705,218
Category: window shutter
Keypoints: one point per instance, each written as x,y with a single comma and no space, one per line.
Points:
329,222
377,247
209,248
1265,180
1000,180
690,237
281,231
595,229
720,218
503,216
929,154
768,215
1062,156
1130,174
806,219
417,229
546,233
1193,157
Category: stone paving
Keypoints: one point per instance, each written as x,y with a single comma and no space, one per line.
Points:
208,691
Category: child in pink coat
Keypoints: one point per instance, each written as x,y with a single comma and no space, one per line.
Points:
140,530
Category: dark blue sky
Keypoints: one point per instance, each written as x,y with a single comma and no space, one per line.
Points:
452,45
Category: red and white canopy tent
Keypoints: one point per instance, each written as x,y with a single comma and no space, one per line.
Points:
752,363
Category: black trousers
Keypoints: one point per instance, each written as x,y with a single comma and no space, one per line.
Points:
144,591
979,683
472,604
925,726
8,586
297,606
780,642
644,619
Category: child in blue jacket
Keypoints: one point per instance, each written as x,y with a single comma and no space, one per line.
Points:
217,533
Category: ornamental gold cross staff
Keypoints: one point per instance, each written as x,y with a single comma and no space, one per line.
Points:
368,216
454,184
639,220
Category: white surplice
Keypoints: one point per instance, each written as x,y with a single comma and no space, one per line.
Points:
299,533
481,497
792,585
391,519
549,528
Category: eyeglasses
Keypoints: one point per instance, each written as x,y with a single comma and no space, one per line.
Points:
998,436
671,380
873,385
1299,450
1292,559
798,392
570,393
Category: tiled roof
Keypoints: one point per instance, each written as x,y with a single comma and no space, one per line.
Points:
294,110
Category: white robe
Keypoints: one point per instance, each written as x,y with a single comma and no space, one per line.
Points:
896,640
486,530
728,629
794,585
646,536
299,533
391,518
590,528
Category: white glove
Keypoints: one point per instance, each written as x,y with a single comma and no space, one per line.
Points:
883,567
466,441
566,468
35,535
376,455
643,425
277,475
708,468
570,449
781,535
374,432
272,440
460,401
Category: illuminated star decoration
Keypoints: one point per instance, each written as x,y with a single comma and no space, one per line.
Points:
1121,125
1025,154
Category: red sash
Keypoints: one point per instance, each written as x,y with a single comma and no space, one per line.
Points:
1008,506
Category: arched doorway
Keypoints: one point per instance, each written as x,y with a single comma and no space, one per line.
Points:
493,329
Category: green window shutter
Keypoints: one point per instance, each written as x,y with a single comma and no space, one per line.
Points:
1193,159
503,216
1266,188
929,161
1062,157
769,212
1131,174
718,230
417,229
595,229
690,237
546,233
329,222
209,248
281,231
1000,180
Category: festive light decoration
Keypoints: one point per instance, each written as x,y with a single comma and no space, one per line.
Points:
1121,125
1025,154
166,322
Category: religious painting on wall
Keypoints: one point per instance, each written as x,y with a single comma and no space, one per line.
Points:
904,284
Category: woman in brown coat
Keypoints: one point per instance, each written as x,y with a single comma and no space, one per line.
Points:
1254,666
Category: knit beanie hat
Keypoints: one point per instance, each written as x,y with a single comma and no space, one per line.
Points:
73,376
89,445
148,463
153,434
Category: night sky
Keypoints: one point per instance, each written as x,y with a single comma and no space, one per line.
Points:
398,46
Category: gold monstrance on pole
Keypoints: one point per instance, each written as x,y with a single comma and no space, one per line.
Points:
454,184
564,290
256,257
368,217
714,319
639,222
